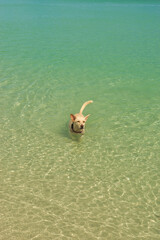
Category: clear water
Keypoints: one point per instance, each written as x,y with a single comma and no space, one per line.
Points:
55,55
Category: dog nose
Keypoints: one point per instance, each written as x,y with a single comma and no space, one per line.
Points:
81,126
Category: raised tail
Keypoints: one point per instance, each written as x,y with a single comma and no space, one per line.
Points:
84,105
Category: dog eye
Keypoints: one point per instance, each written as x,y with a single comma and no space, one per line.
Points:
83,121
78,121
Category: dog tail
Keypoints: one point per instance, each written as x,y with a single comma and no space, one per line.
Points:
84,105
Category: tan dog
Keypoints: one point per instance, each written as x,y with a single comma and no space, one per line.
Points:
77,122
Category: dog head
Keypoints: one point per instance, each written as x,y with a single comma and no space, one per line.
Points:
79,121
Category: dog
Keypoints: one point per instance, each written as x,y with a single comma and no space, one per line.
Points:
77,122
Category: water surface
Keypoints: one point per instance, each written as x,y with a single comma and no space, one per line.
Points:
55,55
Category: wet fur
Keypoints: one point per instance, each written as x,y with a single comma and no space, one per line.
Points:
78,120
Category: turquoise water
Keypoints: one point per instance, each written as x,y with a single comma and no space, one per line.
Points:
55,55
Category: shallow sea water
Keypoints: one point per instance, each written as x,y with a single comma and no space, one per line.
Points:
55,55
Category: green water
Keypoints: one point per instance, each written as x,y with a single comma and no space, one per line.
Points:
55,55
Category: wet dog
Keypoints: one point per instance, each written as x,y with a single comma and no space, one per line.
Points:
77,122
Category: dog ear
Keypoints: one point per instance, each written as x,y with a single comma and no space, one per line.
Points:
87,117
72,117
